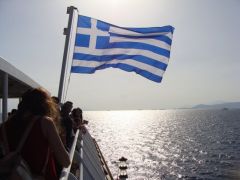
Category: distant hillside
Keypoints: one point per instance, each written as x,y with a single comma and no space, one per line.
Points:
230,105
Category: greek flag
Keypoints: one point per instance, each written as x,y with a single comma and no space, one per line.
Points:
100,45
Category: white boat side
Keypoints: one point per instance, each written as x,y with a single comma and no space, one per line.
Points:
86,154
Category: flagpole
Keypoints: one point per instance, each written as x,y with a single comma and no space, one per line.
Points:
67,31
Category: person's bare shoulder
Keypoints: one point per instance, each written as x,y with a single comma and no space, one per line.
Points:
47,125
47,120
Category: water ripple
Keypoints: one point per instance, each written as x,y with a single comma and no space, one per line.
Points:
170,144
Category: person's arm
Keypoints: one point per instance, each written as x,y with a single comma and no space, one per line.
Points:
55,142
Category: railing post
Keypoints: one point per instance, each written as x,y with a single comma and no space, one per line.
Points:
81,163
65,172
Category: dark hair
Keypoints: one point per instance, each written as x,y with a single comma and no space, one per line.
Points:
68,103
37,102
75,111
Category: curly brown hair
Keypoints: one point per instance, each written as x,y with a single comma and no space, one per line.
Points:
37,102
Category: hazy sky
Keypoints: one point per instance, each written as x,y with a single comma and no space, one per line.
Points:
205,58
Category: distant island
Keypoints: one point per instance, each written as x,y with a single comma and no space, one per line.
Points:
225,106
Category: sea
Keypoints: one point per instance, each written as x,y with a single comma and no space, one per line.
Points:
170,144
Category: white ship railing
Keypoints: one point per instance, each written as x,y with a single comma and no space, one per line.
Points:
86,154
66,171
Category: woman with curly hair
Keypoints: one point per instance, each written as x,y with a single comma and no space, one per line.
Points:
43,143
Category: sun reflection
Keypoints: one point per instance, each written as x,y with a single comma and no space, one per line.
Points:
135,135
125,118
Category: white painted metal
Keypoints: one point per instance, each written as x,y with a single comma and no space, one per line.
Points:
66,171
84,153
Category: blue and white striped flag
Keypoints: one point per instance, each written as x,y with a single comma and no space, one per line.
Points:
100,45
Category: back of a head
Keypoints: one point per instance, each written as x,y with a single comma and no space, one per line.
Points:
37,102
67,106
68,103
77,112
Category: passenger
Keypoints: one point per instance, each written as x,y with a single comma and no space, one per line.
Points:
43,142
77,118
57,119
78,122
12,113
61,132
76,115
57,101
67,123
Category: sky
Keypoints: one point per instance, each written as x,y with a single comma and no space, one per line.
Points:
204,67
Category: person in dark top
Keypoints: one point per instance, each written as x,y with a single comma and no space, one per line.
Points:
57,120
67,122
60,129
78,122
76,115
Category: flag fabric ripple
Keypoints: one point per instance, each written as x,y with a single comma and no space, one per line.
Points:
100,45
